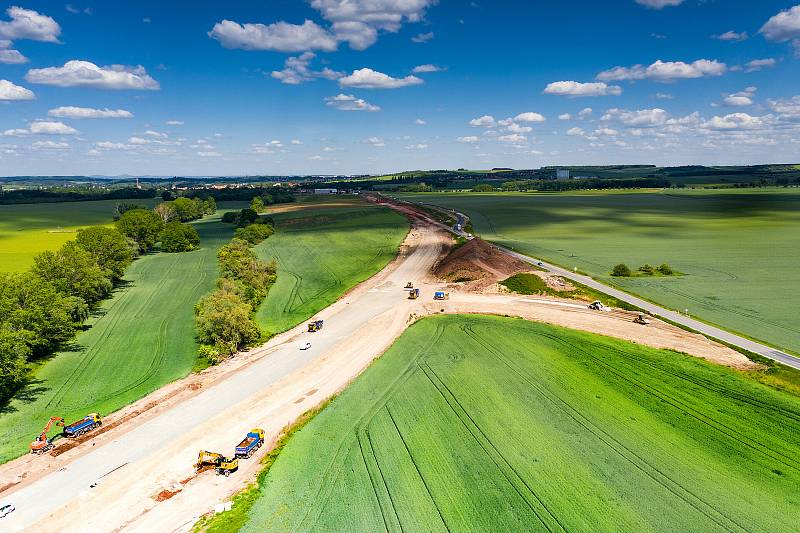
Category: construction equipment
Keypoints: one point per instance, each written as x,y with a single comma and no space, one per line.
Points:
409,285
206,460
441,295
84,425
227,466
642,319
42,443
597,305
252,441
315,325
413,294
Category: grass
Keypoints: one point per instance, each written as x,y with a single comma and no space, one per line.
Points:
737,249
139,340
28,229
499,424
525,283
322,251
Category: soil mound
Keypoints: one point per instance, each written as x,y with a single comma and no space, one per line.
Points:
478,260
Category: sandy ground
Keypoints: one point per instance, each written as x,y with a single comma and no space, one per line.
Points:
358,328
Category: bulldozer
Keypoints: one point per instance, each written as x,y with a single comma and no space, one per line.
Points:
641,319
42,443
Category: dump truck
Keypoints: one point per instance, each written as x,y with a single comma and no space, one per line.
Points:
441,295
315,325
413,294
42,443
642,319
84,425
227,466
252,441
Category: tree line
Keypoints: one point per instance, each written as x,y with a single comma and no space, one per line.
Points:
43,309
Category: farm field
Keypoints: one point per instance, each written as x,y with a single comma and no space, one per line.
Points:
139,340
28,229
739,248
323,248
499,424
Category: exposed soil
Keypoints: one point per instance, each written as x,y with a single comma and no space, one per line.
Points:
477,260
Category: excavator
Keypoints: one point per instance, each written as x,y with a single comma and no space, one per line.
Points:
223,465
42,443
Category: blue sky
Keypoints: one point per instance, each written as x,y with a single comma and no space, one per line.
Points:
368,86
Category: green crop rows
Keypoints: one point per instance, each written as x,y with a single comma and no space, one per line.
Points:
739,249
139,340
499,424
322,253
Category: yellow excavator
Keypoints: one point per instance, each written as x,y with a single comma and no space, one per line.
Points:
224,466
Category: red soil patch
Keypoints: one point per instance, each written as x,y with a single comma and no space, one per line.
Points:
166,495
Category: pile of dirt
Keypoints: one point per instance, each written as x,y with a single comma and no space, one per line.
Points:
478,260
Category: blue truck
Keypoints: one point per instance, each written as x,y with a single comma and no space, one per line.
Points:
251,442
84,425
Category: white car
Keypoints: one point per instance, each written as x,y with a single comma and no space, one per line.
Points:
305,345
6,509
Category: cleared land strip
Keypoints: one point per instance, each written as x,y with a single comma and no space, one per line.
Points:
656,310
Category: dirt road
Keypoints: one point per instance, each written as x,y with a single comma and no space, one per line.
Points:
143,468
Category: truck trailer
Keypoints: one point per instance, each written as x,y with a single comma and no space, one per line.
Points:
84,425
315,325
252,441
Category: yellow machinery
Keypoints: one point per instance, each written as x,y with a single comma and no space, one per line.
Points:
409,285
206,460
227,466
413,294
641,319
315,325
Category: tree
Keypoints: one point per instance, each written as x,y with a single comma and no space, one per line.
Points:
255,233
14,355
224,322
647,269
165,210
122,208
238,262
142,226
257,204
666,269
186,209
229,217
621,270
73,270
109,248
209,206
247,216
482,187
178,237
167,196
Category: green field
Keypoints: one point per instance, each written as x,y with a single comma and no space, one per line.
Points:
139,340
28,229
739,248
499,424
323,250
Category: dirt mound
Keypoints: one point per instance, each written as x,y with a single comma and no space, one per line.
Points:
478,260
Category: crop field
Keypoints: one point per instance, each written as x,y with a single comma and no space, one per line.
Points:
739,249
28,229
499,424
324,248
139,340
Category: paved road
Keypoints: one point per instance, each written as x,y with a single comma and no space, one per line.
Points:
653,309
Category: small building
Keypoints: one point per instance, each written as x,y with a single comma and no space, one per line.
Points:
325,191
562,174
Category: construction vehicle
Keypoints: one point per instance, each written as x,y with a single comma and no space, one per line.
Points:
315,325
84,425
413,294
223,465
409,285
42,443
227,466
441,295
641,319
252,441
597,305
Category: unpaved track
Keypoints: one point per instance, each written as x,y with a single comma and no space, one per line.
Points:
141,458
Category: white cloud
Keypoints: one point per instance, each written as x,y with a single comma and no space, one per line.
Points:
585,112
279,37
29,24
156,134
50,145
732,36
417,147
16,132
788,109
564,116
606,131
380,14
374,141
758,64
88,112
514,138
740,99
174,123
575,132
516,128
296,70
366,78
575,89
784,26
639,118
486,121
420,122
665,71
734,121
108,145
427,68
470,139
10,56
659,4
422,37
85,74
9,91
529,116
209,154
48,127
664,96
295,141
348,102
